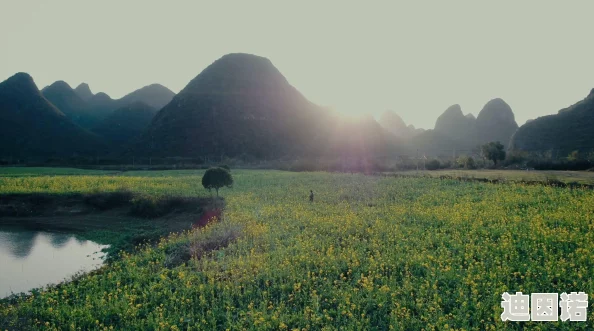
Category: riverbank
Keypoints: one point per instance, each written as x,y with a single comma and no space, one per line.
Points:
120,219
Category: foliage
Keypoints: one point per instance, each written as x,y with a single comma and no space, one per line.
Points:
568,130
433,165
217,178
493,151
408,254
466,162
573,156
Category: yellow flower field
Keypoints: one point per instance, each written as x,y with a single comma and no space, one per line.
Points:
370,253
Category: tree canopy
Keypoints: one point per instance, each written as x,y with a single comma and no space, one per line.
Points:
493,151
217,178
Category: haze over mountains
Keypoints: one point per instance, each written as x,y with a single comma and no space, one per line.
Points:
569,130
455,131
31,126
242,106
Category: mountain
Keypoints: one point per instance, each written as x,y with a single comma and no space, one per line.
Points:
242,105
570,129
465,133
30,126
61,95
454,124
394,124
126,123
154,95
101,105
495,122
84,91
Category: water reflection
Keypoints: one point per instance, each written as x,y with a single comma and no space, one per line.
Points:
31,259
19,243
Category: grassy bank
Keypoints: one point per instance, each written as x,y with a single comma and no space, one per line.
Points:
369,253
567,177
121,219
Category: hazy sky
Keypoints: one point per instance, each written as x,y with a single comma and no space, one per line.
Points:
414,57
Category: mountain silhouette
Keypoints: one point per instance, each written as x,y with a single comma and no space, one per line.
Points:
454,124
125,123
394,124
154,95
30,126
571,129
242,105
61,95
456,131
84,91
495,122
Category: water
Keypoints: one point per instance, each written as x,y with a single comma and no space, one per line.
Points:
32,259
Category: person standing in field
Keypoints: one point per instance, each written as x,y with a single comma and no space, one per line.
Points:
311,196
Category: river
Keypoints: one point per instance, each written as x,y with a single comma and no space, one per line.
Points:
32,259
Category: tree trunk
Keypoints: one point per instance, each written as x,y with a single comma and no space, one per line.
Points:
217,191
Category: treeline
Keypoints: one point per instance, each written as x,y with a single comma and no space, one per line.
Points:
473,160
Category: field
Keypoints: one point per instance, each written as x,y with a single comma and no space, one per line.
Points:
370,253
581,177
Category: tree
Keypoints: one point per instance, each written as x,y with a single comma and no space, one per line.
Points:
217,178
493,151
433,164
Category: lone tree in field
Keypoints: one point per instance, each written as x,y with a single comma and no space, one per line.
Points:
217,178
493,151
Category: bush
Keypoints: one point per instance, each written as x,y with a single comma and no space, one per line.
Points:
217,178
108,200
433,165
466,162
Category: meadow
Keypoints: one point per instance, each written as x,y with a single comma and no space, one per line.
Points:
370,253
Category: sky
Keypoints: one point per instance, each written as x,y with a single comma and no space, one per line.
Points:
413,57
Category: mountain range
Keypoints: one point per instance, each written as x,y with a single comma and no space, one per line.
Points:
31,126
242,106
455,131
571,129
88,110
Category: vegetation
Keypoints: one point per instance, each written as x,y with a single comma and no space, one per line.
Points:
121,219
433,164
31,126
125,123
410,253
562,133
217,178
493,151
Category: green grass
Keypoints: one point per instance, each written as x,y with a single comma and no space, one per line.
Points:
370,253
47,171
582,177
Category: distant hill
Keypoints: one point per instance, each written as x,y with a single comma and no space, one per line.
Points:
30,126
154,95
101,105
456,131
242,105
61,95
452,123
394,124
125,123
571,129
84,91
88,109
495,122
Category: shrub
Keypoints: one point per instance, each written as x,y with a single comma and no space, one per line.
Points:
217,178
433,165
